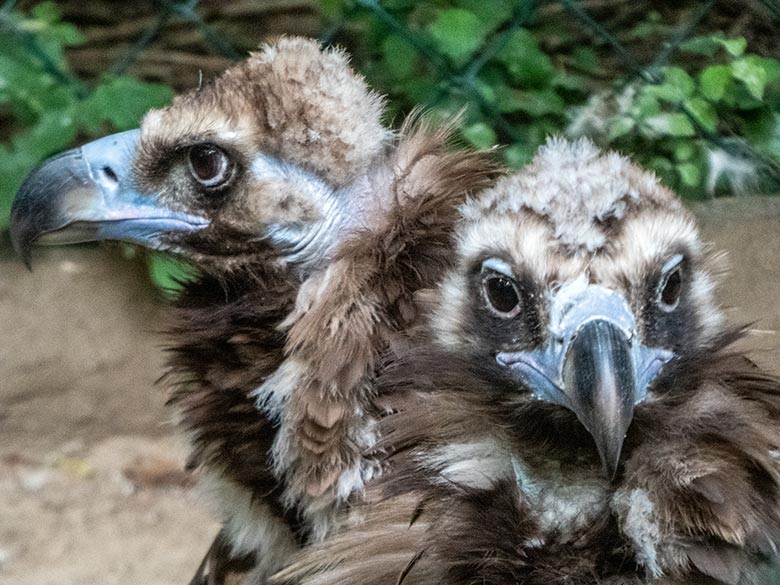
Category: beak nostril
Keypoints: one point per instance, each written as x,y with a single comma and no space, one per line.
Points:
110,174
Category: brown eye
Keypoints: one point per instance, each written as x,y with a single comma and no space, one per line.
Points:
501,294
209,165
670,287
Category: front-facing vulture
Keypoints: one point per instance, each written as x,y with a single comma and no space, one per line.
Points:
580,416
312,227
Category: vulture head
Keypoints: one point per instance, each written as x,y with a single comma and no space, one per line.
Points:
261,162
577,414
583,282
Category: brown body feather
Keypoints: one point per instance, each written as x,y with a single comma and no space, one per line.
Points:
233,334
705,455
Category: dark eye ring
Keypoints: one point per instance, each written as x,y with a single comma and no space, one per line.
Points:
209,165
671,285
501,295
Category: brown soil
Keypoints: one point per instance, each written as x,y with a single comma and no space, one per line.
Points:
91,487
91,483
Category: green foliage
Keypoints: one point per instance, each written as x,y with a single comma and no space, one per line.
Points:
44,106
167,273
47,108
672,125
456,53
521,80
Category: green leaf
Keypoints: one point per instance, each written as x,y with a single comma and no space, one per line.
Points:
671,125
14,166
734,47
713,81
51,35
168,273
526,62
620,127
772,68
653,26
646,106
46,12
538,103
675,87
570,81
751,73
763,132
702,111
690,174
492,14
704,45
585,59
457,33
54,131
489,92
684,150
665,170
331,9
122,101
420,89
708,45
399,57
480,135
519,155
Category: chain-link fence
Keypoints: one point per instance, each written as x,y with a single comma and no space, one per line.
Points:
706,130
672,74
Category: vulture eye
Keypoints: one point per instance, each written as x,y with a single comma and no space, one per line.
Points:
501,294
499,288
670,287
210,165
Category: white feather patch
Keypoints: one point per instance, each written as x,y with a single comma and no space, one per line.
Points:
477,464
565,501
637,521
249,524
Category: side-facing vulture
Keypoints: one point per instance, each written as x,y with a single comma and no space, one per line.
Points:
579,416
312,227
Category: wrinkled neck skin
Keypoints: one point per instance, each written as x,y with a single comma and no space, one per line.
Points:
342,211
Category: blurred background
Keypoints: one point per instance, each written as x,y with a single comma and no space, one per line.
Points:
91,482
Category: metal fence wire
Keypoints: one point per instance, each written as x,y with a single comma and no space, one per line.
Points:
462,78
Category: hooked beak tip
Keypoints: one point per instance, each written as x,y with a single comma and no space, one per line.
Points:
21,240
610,458
592,365
64,202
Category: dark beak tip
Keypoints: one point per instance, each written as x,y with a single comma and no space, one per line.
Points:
610,470
611,456
22,238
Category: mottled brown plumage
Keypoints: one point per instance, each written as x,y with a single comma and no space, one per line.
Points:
313,228
494,478
231,339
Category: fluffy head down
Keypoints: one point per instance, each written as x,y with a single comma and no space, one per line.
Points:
580,191
576,211
292,100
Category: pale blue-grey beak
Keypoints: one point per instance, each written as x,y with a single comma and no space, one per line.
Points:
593,364
87,194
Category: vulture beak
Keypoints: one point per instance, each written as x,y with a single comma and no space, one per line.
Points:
593,364
87,194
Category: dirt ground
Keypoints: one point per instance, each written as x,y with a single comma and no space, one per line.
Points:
91,487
